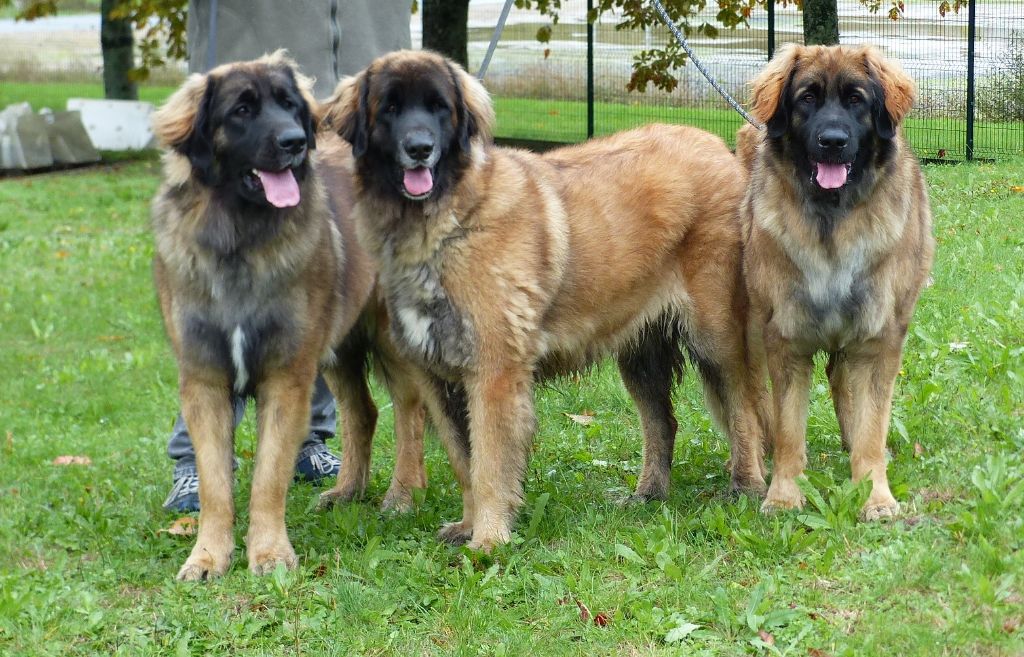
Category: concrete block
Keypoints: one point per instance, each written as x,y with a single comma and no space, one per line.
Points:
117,125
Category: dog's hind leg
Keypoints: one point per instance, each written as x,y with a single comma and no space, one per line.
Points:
448,409
282,398
346,378
409,472
735,394
649,368
206,406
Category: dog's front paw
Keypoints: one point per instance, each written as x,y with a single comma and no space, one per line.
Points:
881,509
204,564
263,560
782,494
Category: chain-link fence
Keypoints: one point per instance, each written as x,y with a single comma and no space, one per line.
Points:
971,100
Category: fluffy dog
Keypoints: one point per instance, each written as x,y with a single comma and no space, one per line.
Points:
260,281
838,245
499,266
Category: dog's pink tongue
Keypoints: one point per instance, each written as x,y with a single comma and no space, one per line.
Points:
831,176
418,181
281,188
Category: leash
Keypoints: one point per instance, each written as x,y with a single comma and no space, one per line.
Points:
668,23
700,65
494,40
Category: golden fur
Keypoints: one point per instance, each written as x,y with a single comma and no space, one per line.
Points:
282,303
540,264
848,290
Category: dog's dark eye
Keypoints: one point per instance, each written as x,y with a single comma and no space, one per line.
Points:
809,98
287,103
854,99
390,108
242,110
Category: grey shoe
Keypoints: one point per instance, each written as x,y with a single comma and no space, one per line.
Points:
316,463
184,495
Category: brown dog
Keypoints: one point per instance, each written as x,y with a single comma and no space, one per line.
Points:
838,246
499,265
260,281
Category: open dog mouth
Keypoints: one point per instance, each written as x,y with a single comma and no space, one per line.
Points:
280,188
830,175
417,183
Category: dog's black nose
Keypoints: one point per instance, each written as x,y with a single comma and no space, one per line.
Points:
833,138
292,140
418,146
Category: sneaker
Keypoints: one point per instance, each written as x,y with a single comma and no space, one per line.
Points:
315,463
184,495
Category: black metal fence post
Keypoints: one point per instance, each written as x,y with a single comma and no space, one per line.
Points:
971,35
590,68
770,5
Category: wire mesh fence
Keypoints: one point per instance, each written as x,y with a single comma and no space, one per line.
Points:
970,104
541,90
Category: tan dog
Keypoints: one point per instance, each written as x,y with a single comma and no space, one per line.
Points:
260,281
838,246
499,266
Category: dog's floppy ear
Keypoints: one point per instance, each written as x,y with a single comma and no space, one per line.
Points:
474,111
769,102
894,92
347,111
182,124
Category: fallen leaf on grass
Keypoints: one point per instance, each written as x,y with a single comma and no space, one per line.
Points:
1011,625
1017,188
111,338
584,611
584,418
185,526
72,460
61,254
768,639
9,444
918,450
817,652
602,620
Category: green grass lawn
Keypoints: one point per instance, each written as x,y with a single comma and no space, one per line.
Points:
86,568
566,121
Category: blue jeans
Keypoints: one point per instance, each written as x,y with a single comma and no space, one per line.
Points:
323,420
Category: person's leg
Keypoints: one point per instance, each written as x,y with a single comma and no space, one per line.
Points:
315,461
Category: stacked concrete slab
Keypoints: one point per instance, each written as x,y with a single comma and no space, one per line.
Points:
31,141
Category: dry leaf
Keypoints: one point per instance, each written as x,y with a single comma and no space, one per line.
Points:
584,418
584,611
1011,625
184,526
602,620
1017,188
72,460
111,338
816,652
918,450
766,637
10,441
61,254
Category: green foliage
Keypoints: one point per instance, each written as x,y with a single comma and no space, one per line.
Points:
159,26
1001,95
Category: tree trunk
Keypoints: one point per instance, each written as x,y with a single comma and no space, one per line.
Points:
118,43
821,22
444,28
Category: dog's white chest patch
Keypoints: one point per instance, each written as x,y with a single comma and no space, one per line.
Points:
238,359
415,328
